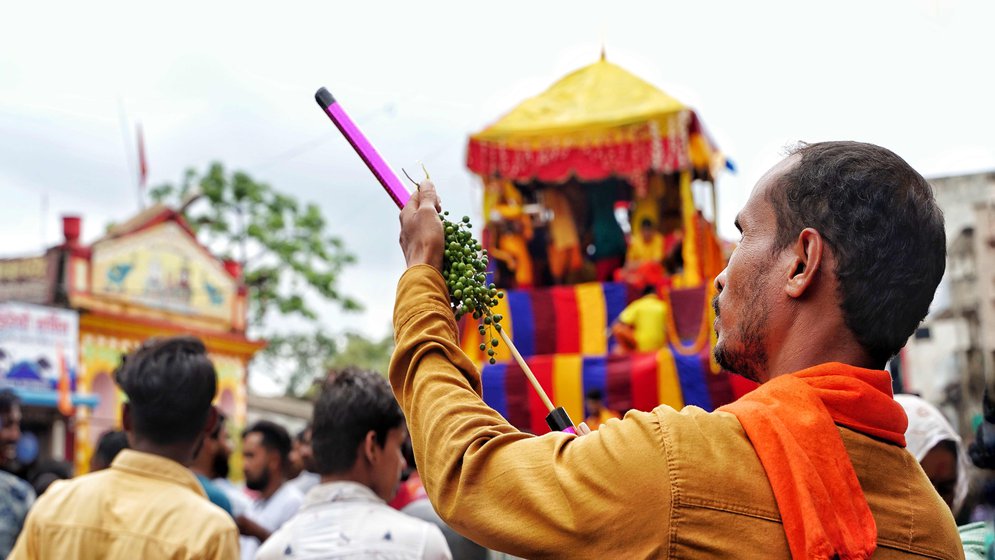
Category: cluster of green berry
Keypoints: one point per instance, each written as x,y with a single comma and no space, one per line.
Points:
465,268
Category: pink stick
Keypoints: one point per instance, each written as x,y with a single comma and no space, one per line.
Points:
391,183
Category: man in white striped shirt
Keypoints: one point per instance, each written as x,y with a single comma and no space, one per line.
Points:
358,432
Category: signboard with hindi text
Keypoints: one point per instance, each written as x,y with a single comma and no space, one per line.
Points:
35,343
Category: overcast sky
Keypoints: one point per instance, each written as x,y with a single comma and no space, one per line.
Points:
234,81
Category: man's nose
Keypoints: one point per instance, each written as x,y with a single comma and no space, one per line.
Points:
720,281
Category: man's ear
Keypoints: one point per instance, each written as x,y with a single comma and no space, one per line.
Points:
211,422
806,260
126,416
370,447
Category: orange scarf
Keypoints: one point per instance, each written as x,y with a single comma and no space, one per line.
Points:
790,421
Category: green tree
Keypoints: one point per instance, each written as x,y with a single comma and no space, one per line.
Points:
352,349
362,352
285,251
298,360
282,245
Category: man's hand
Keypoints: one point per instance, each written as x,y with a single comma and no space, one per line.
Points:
422,239
250,528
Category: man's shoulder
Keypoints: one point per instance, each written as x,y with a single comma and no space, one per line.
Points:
59,494
406,520
696,418
380,524
288,496
703,447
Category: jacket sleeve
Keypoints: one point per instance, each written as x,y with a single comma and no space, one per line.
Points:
552,496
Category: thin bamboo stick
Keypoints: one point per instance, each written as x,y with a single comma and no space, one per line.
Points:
528,371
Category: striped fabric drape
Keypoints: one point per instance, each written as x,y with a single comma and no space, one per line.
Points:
563,334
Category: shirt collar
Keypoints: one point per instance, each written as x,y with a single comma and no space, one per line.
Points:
155,466
341,491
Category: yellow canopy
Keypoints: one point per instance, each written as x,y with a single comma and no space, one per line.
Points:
597,97
596,122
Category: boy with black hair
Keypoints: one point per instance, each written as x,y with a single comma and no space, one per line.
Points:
358,432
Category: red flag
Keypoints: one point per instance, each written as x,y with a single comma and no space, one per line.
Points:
143,167
65,403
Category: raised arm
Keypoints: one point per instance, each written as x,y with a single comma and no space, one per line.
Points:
552,496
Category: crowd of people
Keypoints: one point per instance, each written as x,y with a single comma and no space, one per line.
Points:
160,487
842,249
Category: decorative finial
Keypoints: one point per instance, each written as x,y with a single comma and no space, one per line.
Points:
602,51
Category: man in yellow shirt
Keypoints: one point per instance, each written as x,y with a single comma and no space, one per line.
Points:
642,325
646,246
147,504
843,247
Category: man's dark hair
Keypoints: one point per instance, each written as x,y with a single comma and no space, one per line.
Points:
274,438
110,444
170,384
8,400
351,405
879,218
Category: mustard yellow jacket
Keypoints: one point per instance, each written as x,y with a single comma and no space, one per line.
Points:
660,484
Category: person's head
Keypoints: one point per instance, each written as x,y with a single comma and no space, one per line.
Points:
48,472
265,455
10,425
295,464
358,431
301,457
937,446
594,400
647,228
212,457
842,236
170,383
221,442
109,444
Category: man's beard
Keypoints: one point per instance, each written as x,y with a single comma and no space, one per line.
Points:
258,484
220,467
751,360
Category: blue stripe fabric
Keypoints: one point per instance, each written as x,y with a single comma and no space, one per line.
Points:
594,376
615,295
522,322
492,380
694,387
615,301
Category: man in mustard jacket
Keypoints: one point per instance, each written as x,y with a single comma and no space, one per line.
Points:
842,249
